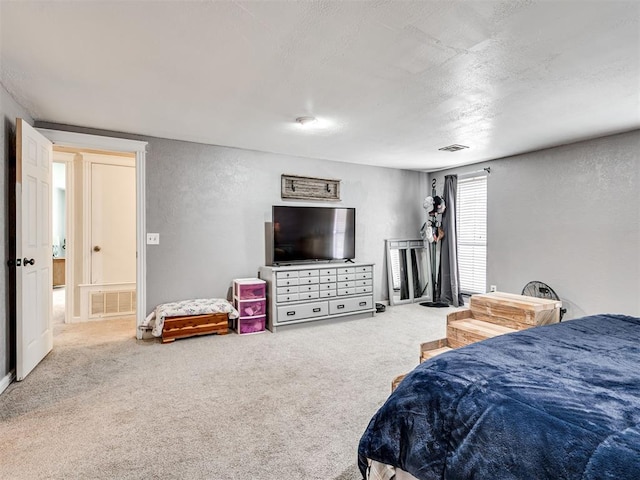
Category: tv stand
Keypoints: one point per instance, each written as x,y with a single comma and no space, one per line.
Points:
305,293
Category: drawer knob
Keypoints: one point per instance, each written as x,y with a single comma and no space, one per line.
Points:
340,307
362,304
291,313
316,310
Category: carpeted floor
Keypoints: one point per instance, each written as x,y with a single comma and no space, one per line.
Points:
289,405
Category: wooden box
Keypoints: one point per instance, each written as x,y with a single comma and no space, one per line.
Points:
434,348
515,311
189,326
396,381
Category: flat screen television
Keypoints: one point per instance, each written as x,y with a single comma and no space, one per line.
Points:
313,233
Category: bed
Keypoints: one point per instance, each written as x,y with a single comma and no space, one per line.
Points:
554,402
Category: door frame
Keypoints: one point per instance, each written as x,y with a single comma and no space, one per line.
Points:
69,232
96,142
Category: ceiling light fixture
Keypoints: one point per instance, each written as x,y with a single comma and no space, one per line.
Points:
306,121
453,148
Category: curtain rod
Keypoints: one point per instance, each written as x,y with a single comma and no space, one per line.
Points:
486,170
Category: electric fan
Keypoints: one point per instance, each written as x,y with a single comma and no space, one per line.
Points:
542,290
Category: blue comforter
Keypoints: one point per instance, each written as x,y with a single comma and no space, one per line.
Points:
554,402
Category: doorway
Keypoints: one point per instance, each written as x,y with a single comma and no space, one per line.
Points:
93,235
85,293
59,240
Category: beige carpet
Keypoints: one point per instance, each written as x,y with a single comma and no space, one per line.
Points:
289,405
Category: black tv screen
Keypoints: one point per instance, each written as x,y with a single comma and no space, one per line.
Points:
313,233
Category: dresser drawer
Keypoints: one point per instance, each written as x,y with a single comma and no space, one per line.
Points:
346,291
327,286
280,275
288,297
284,290
346,285
346,276
346,270
308,280
367,289
298,312
350,305
327,278
328,293
309,288
309,295
327,271
285,282
363,283
364,268
308,273
363,275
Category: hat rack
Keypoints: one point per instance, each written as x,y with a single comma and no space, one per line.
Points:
434,221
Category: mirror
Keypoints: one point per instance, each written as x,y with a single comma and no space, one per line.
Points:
408,271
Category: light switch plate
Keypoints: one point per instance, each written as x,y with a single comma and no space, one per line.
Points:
153,238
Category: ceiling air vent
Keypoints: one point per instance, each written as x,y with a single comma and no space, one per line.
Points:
453,148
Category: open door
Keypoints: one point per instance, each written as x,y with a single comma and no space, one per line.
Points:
34,333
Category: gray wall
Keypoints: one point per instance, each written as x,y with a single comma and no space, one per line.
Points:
210,205
570,217
10,110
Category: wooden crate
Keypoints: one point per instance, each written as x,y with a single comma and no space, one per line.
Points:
189,326
434,348
465,332
514,311
396,381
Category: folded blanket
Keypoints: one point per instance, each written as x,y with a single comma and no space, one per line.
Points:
200,306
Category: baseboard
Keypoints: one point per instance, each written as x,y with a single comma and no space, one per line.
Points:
6,380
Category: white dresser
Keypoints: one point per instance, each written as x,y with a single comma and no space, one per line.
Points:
303,293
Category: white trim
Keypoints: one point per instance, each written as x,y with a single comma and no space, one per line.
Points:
83,140
141,215
6,380
69,232
96,142
86,221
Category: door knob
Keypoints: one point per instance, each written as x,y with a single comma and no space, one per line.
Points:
26,261
96,248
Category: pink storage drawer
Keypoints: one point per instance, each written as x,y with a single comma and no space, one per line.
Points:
249,289
251,308
251,325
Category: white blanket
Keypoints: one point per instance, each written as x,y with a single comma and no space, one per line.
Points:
199,306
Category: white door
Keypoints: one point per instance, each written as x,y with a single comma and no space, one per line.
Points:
113,224
34,333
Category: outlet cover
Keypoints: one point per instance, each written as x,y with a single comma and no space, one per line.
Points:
493,288
153,239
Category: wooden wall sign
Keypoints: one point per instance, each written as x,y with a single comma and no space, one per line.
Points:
308,188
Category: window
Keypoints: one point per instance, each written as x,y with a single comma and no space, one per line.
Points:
472,233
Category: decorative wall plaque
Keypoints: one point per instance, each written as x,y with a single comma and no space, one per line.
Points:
308,188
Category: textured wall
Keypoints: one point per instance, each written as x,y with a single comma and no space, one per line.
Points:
570,217
210,205
9,110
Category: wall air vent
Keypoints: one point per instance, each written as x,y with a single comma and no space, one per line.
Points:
453,148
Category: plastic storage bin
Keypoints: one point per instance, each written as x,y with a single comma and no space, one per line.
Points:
249,288
251,325
251,308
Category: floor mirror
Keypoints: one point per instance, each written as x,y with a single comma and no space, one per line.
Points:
408,271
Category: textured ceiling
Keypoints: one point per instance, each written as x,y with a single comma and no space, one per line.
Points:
389,81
